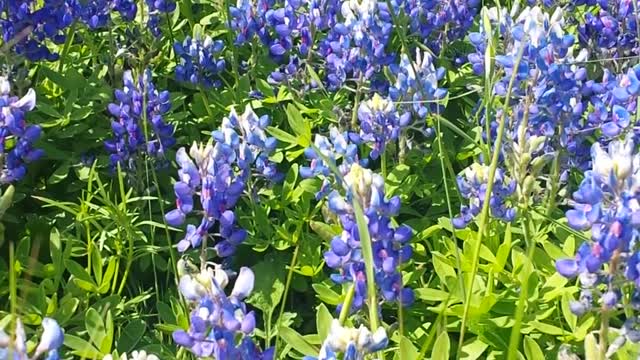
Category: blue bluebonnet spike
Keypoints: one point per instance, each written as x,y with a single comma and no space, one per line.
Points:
13,124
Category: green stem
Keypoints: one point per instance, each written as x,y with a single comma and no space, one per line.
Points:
207,105
367,254
356,103
13,286
441,155
67,45
604,333
129,236
383,164
294,260
484,213
553,188
234,50
346,306
514,341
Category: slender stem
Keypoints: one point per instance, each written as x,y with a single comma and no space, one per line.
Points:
123,197
383,164
294,261
207,105
356,103
67,44
234,50
604,333
367,254
346,306
553,189
13,286
484,213
514,341
441,155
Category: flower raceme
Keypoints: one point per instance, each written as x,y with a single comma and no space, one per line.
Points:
353,343
198,62
136,104
608,204
380,123
50,341
473,187
13,126
218,174
220,325
31,25
390,244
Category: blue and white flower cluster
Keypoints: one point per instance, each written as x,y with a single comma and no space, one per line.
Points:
607,203
353,343
218,174
16,348
14,129
220,325
138,125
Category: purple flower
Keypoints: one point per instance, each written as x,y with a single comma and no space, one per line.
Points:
220,325
13,124
130,141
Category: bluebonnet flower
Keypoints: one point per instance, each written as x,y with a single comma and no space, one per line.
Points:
438,22
612,103
353,343
50,341
380,123
219,173
608,204
156,9
220,325
129,111
612,31
390,244
548,97
473,187
13,126
199,63
417,84
248,19
31,25
356,47
97,13
339,146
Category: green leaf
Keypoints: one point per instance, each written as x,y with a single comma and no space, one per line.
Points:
108,275
503,251
570,317
323,321
532,349
282,135
299,125
473,350
327,295
428,294
81,348
326,232
131,335
441,347
269,284
407,350
96,264
78,271
95,327
6,200
296,341
105,347
591,348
